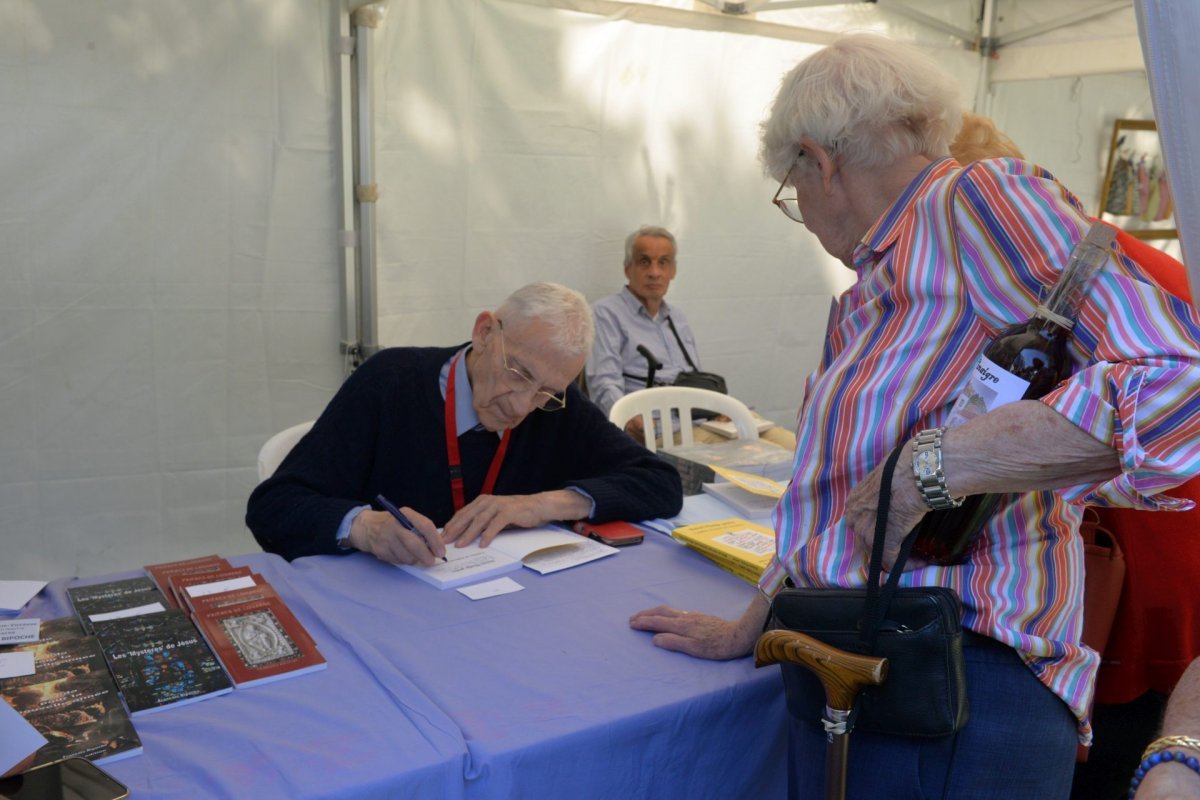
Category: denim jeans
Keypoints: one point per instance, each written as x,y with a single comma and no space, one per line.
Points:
1018,743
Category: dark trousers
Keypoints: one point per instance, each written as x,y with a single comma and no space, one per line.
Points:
1019,743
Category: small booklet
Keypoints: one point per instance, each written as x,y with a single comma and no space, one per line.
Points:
115,599
736,545
161,574
543,550
257,637
185,587
160,660
753,496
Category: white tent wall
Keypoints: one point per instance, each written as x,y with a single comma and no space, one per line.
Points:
169,251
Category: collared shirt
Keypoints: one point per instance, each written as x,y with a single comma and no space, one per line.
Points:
622,323
898,350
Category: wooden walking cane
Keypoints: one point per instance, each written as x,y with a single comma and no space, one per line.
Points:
843,675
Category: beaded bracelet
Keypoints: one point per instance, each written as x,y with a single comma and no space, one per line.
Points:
1161,757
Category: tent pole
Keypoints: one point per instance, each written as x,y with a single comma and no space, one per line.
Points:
365,19
987,48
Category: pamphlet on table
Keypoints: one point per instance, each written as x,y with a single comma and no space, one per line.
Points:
737,545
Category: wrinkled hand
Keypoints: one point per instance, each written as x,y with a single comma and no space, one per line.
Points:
485,516
703,635
907,509
378,533
1169,782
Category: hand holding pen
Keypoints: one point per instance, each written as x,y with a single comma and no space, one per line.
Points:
406,523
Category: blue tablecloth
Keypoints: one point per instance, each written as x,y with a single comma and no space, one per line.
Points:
546,692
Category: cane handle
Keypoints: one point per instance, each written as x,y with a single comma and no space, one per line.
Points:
842,674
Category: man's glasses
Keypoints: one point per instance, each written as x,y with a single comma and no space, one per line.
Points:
546,401
789,205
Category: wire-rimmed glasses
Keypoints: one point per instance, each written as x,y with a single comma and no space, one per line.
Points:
546,401
790,206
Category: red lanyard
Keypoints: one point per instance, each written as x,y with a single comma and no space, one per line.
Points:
456,474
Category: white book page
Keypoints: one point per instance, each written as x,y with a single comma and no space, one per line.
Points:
464,565
547,550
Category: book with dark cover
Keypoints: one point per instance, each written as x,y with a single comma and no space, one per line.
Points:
58,658
115,597
258,640
161,574
73,701
160,660
59,628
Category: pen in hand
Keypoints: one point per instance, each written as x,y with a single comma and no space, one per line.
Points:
403,520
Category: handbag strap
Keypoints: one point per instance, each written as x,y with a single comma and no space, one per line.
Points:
879,600
681,347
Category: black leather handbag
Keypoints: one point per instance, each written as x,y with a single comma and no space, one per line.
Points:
918,629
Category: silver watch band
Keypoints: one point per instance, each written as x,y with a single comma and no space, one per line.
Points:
927,469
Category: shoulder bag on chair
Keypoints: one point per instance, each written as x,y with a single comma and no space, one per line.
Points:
694,377
918,630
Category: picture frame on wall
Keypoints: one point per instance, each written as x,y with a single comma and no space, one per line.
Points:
1136,196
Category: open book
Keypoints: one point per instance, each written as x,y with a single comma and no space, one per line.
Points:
543,550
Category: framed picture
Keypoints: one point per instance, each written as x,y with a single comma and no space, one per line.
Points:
1136,196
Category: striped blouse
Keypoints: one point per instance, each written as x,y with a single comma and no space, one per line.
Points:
899,346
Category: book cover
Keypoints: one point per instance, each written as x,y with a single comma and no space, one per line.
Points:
746,503
543,550
258,640
737,545
160,660
114,599
55,659
76,706
181,586
161,573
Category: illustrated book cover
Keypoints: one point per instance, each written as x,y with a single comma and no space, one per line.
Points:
257,640
114,599
184,587
160,660
73,702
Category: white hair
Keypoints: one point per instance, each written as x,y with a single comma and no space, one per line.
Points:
868,100
564,310
648,230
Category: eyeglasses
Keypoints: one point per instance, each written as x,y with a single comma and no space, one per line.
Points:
789,205
546,401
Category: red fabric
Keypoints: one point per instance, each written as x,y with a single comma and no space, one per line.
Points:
1156,633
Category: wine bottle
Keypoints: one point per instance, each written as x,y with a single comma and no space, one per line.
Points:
1023,362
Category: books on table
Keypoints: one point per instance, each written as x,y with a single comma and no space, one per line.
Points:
71,699
736,545
160,660
752,496
161,574
544,550
255,635
727,428
115,599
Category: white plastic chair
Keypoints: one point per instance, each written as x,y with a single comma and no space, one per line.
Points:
681,399
277,447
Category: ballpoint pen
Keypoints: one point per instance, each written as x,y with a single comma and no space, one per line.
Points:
403,520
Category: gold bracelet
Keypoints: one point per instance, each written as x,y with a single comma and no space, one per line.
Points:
1165,742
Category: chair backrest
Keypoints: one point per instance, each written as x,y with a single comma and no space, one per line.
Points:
681,399
277,447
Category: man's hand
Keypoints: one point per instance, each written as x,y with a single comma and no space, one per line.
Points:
636,429
703,635
907,509
485,516
378,533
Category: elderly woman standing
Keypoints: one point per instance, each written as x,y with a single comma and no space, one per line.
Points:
860,131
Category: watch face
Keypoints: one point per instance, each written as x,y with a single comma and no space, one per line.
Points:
926,463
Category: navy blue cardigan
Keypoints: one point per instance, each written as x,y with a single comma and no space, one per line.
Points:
383,433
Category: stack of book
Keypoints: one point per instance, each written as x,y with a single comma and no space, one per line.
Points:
249,627
735,545
70,698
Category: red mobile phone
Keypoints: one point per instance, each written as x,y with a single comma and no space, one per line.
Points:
617,534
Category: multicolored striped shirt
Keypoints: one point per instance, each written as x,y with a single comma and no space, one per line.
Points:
899,347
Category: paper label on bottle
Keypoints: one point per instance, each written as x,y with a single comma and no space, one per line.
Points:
989,388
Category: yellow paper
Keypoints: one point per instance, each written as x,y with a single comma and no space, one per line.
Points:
751,483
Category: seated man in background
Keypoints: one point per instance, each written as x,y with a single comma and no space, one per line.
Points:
450,435
639,315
